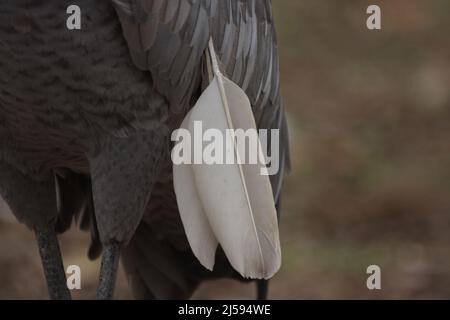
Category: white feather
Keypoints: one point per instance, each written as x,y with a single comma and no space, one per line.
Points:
229,204
196,225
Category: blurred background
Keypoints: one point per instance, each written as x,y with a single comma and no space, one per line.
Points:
369,114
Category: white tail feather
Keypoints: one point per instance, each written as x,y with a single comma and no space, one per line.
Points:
228,203
196,225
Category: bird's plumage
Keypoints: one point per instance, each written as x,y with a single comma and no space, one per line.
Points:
102,101
230,204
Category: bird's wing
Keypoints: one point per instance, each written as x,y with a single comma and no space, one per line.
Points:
169,38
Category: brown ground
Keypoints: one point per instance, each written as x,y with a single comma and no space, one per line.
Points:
369,114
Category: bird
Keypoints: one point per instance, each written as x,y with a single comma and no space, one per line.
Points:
86,117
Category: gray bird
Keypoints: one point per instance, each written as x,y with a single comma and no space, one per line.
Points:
86,117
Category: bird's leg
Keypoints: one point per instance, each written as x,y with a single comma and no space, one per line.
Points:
262,287
123,173
52,264
108,271
33,202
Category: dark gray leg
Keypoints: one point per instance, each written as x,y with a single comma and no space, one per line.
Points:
262,289
52,264
33,202
108,271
